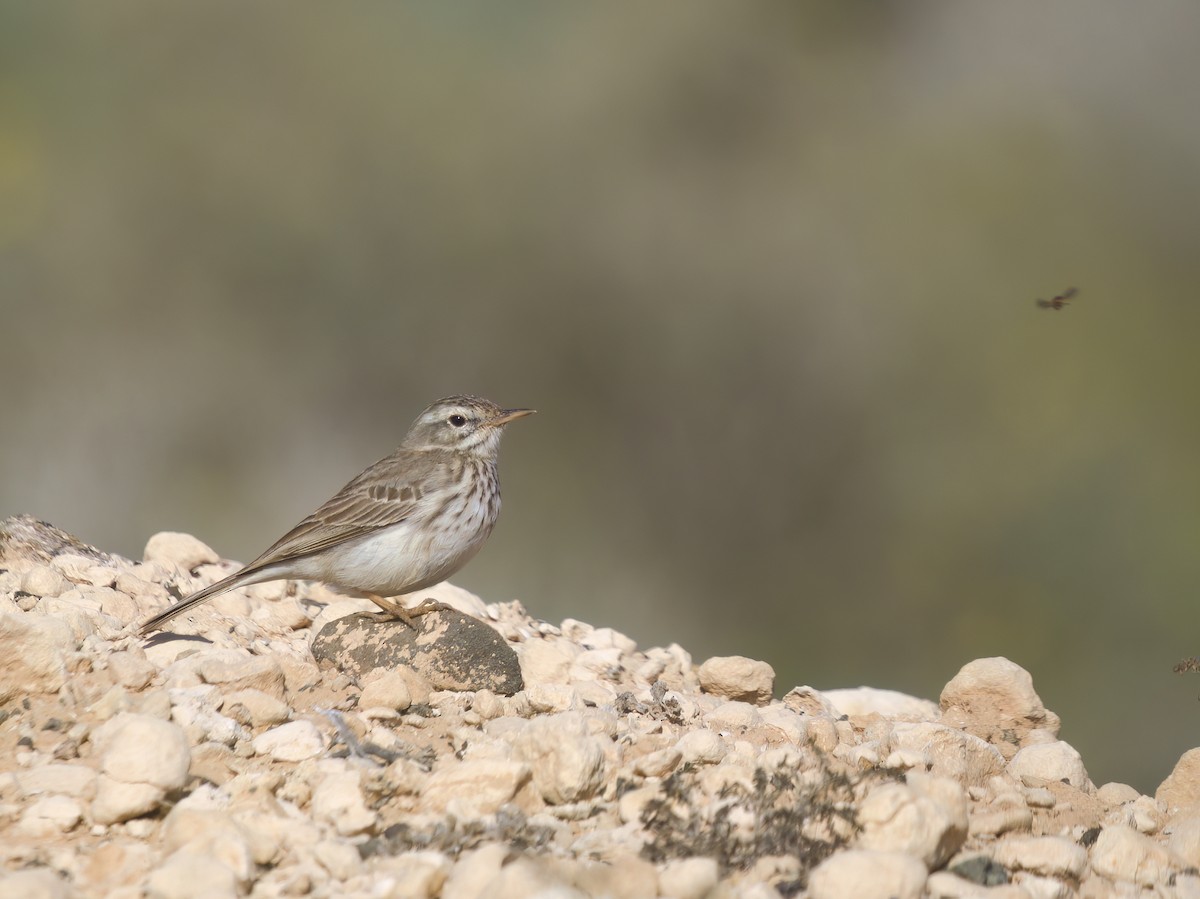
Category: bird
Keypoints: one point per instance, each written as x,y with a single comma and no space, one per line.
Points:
407,522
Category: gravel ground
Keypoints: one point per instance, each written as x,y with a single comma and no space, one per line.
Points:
280,742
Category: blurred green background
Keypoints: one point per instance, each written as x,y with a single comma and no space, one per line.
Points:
767,270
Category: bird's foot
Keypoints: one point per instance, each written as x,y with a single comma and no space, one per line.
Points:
409,616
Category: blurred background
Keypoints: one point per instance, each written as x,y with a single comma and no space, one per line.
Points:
767,271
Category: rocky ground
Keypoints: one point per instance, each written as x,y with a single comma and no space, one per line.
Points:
279,743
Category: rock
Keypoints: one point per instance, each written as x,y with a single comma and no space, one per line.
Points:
385,689
191,875
42,581
451,651
117,801
338,799
547,661
1049,856
701,746
142,749
1185,839
57,777
807,701
1121,853
862,701
33,653
475,787
131,669
739,678
567,762
182,550
1112,794
211,833
35,883
926,818
261,673
50,815
867,874
255,708
292,742
994,699
1181,789
23,537
949,752
688,878
1057,761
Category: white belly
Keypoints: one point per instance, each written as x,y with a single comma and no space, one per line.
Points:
398,560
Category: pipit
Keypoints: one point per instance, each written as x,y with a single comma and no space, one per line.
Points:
409,521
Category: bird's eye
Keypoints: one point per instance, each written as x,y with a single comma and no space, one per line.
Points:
457,420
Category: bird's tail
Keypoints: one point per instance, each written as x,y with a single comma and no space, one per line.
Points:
237,579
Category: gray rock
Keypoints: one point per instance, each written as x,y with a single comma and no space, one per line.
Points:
451,650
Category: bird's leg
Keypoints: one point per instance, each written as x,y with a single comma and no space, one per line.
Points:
408,616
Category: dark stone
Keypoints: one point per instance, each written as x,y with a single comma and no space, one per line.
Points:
24,537
981,870
451,650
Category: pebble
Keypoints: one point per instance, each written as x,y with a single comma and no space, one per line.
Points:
1121,853
182,550
739,678
867,874
1049,763
291,742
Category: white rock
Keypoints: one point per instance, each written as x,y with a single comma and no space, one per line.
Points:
131,668
142,749
211,833
1112,794
1049,856
1181,789
737,677
410,875
624,876
261,709
340,859
35,883
733,716
949,752
1121,853
926,818
659,763
544,698
1185,839
475,872
865,874
792,726
191,875
809,701
237,672
183,550
688,878
1050,762
42,580
567,762
338,799
480,787
546,661
860,701
50,815
118,801
994,699
57,777
33,652
702,746
385,688
291,742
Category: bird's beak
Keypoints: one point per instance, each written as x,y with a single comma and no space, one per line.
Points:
507,415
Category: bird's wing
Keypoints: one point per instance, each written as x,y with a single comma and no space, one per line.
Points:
389,492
